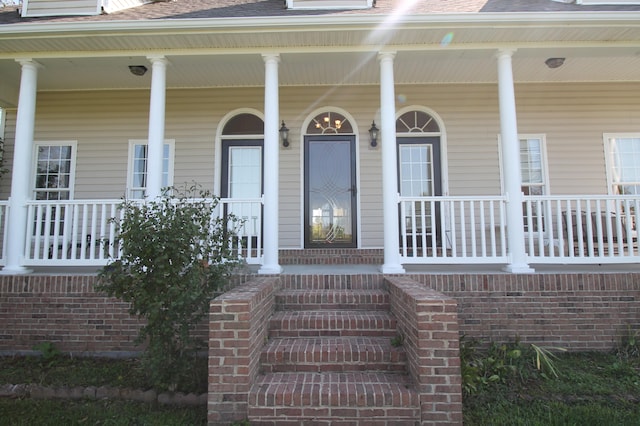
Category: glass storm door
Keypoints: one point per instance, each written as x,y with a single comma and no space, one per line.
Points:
330,191
419,176
242,179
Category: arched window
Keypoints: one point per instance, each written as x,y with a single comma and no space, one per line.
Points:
329,123
244,124
416,122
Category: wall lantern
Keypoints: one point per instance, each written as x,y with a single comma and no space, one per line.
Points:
373,134
284,135
138,70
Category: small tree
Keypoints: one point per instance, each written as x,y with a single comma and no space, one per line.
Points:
176,254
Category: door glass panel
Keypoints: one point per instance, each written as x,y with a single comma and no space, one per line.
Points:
417,180
245,171
330,192
416,170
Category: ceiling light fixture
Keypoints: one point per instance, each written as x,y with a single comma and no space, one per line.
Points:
138,70
554,62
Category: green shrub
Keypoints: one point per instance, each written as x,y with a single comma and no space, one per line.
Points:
502,363
176,254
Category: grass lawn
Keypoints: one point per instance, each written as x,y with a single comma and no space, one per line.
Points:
591,389
106,413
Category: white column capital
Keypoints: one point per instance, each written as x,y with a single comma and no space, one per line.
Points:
507,52
158,59
271,57
29,62
386,56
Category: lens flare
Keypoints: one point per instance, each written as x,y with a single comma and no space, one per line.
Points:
446,40
402,98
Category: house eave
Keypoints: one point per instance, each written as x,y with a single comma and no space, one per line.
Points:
288,23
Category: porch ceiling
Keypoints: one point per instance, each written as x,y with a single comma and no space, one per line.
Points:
357,68
228,54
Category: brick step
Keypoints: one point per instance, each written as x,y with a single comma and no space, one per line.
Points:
332,354
333,398
331,282
342,256
307,300
332,324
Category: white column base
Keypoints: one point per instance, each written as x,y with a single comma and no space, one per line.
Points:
270,269
518,269
15,270
392,269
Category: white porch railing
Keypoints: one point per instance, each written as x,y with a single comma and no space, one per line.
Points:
557,229
582,229
434,230
453,230
82,232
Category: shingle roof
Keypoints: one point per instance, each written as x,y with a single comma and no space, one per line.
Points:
187,9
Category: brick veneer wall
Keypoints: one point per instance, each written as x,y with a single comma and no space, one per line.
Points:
428,323
238,329
574,311
66,311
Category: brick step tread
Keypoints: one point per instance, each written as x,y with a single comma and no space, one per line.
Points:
337,417
332,354
332,323
330,390
332,281
304,300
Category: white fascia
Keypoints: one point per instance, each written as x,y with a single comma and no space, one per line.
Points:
288,23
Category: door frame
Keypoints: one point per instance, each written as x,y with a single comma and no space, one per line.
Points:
351,139
436,142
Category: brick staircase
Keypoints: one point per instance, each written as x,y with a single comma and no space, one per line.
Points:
329,357
316,349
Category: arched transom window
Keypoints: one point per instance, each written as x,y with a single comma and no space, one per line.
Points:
416,122
329,123
244,124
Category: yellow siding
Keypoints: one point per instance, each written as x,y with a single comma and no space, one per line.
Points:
573,117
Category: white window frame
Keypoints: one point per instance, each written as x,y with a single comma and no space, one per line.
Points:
545,167
72,169
543,152
543,159
610,161
130,189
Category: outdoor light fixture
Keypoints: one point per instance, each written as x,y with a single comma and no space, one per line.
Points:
284,135
554,62
138,70
373,134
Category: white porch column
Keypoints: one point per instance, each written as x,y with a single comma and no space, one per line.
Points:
156,126
271,172
21,170
511,165
390,194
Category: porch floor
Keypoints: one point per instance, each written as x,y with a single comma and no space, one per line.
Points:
355,269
